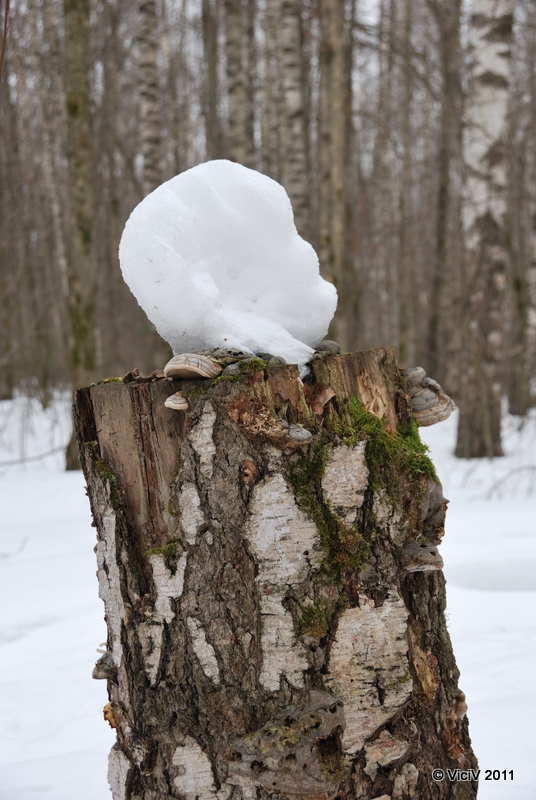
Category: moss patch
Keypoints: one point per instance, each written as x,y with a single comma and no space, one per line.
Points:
251,365
171,553
102,469
390,456
345,546
316,619
245,367
393,460
201,388
170,549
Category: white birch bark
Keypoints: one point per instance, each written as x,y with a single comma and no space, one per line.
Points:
487,116
234,46
149,110
484,222
294,172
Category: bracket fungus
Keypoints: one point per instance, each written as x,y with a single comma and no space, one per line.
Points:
177,402
429,403
416,557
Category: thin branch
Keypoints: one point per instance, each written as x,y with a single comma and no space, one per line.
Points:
24,460
499,483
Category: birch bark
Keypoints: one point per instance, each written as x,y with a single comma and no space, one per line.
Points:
234,47
275,622
294,172
81,251
484,223
334,124
149,110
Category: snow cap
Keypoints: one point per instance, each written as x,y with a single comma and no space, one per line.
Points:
214,259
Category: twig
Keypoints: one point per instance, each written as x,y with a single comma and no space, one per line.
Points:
498,484
33,458
15,552
4,39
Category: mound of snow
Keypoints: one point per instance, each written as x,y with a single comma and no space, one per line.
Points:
214,259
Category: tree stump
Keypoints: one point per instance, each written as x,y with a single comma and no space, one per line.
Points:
273,592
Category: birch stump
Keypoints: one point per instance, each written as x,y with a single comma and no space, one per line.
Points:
273,592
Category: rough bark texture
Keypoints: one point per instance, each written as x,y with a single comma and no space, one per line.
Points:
234,41
83,331
485,230
295,174
275,609
213,130
150,114
335,105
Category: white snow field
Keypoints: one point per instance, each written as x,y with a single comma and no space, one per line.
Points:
53,740
214,259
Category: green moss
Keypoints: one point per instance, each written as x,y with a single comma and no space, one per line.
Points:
111,380
170,549
170,553
292,732
246,367
201,388
401,680
316,619
172,510
390,456
392,460
226,379
345,546
102,469
251,365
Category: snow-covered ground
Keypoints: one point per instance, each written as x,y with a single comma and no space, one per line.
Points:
53,740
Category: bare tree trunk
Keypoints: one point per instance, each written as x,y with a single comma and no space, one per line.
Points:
81,252
271,145
213,131
335,112
484,220
150,121
443,322
383,271
250,89
275,603
234,44
521,361
407,329
49,122
294,173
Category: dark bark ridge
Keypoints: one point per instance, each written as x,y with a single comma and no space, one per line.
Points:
275,607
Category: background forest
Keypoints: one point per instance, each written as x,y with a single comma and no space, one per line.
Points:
404,132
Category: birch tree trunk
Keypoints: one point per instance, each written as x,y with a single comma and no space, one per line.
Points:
294,172
385,214
407,327
443,325
335,103
81,252
274,601
234,44
521,361
149,109
484,221
213,131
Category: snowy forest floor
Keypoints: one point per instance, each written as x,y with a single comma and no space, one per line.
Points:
53,740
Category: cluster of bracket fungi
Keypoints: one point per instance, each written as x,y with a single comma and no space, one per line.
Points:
216,362
429,404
